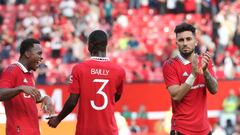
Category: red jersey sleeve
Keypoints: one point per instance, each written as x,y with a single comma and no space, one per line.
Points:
74,85
170,74
210,68
122,80
7,78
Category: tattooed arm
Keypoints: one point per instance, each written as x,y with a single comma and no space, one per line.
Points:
211,82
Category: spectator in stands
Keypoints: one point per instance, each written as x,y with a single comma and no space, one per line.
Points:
159,127
223,39
132,42
123,128
126,113
142,117
134,128
68,57
77,47
158,5
1,67
67,8
17,2
179,6
3,2
29,21
171,6
6,49
134,4
218,130
108,9
46,22
56,46
236,38
1,19
206,42
136,77
229,128
145,72
123,42
237,129
206,6
122,20
142,114
229,108
42,74
229,70
238,109
80,23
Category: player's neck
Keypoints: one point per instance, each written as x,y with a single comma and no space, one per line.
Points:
189,58
99,54
23,62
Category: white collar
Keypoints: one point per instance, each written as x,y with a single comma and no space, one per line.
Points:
21,66
100,58
183,60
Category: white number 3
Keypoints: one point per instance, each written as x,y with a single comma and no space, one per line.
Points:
100,91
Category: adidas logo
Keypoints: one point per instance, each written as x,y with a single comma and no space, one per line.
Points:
25,80
185,74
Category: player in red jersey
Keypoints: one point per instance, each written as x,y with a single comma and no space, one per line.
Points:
17,90
187,76
97,84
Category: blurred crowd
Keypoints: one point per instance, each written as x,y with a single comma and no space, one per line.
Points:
140,33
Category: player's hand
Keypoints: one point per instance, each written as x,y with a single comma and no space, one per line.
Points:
47,105
195,65
53,121
32,91
205,60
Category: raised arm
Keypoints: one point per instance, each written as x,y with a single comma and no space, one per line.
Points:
210,81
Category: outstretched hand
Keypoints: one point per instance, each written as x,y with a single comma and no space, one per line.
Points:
53,121
47,105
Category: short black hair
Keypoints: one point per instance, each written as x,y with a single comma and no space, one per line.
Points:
97,41
27,44
185,27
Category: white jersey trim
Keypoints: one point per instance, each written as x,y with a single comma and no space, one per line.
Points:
100,58
24,69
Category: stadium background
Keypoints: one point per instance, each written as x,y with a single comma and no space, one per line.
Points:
141,39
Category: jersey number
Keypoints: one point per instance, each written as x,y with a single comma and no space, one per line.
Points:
101,92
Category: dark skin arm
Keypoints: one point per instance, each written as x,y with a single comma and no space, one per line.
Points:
8,93
68,108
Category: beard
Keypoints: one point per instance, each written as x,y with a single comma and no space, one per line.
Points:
186,54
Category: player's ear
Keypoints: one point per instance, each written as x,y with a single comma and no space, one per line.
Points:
27,53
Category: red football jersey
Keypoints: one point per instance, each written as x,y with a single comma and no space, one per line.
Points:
97,81
190,114
21,110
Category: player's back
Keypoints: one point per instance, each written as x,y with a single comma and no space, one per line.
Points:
99,81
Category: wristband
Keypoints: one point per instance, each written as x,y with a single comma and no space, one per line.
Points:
190,80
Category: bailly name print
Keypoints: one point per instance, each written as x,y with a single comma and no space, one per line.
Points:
95,71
